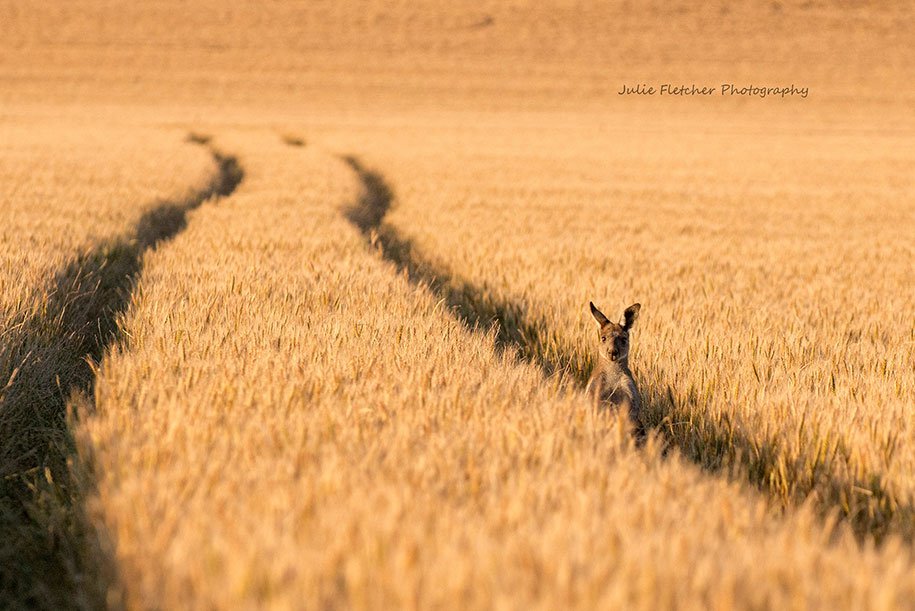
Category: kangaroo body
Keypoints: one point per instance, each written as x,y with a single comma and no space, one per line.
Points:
611,384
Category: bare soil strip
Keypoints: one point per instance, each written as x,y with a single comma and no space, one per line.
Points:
56,347
866,502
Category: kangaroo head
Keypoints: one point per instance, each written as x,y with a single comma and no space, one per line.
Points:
614,337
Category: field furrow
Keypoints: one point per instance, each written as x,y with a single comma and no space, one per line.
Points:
477,309
50,345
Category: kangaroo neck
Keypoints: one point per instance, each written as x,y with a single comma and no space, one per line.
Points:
619,367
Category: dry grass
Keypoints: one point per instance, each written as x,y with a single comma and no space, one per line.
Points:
355,381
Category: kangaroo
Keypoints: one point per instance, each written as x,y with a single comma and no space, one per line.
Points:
611,383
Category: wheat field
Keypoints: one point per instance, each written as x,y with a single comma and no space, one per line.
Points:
293,306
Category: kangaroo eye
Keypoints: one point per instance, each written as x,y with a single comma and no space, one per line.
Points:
603,338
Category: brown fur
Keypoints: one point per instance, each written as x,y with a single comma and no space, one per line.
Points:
611,384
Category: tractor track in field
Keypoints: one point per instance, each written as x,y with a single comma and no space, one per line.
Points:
719,446
55,349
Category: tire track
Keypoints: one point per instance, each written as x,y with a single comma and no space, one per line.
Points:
718,446
477,308
43,537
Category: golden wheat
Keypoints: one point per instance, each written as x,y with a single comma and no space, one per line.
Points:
291,421
71,197
355,382
775,336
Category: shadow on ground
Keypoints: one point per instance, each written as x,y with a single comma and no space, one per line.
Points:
48,358
714,442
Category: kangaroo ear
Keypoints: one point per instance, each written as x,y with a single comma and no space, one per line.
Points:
598,315
629,316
